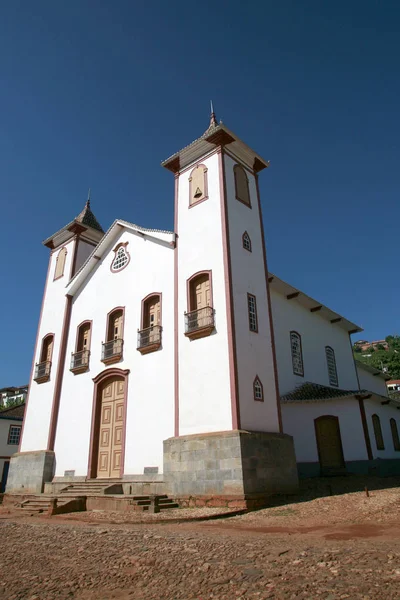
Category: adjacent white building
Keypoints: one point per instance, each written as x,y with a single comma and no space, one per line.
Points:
10,434
175,355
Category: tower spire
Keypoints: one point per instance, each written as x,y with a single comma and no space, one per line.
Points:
88,200
213,118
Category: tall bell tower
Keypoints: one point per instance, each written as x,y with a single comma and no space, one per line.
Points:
228,437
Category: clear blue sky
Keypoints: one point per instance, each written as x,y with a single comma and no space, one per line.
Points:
96,93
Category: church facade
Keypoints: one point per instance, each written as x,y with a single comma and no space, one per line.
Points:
176,358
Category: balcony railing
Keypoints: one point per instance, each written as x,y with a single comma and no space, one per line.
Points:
149,339
112,351
42,371
80,361
199,323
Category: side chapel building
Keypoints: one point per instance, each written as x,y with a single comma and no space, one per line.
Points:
175,357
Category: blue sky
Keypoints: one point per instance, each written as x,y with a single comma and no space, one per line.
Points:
97,93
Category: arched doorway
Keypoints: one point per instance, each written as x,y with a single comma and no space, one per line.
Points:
329,443
107,440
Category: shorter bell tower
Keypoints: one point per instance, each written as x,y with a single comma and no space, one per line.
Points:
228,436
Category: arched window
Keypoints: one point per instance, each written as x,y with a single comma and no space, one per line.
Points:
198,188
112,347
149,335
60,263
258,391
199,319
331,364
246,241
80,358
297,353
241,185
43,367
376,422
395,435
121,258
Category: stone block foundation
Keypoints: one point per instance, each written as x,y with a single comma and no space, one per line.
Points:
29,471
238,464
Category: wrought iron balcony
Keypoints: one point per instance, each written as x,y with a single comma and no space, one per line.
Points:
42,371
149,339
199,323
80,361
112,351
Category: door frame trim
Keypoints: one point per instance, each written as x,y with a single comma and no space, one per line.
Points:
95,429
331,417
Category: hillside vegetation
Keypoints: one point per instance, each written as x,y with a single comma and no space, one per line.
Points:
382,359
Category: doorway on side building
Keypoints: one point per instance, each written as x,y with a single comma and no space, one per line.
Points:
108,428
4,476
329,443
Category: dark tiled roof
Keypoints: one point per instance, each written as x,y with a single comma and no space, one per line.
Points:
86,217
309,392
14,411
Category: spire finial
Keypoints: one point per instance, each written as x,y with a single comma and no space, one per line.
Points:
88,199
213,119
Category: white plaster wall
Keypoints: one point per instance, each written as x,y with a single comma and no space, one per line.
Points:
150,403
385,413
204,382
254,350
83,251
371,383
298,421
316,333
38,409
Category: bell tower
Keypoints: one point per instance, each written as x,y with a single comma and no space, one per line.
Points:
227,409
69,247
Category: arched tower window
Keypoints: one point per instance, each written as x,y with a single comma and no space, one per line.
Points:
43,367
149,335
60,263
331,364
241,185
121,258
297,353
112,347
258,391
80,358
376,422
395,435
246,241
198,188
199,319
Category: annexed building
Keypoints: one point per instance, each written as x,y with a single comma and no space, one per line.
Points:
10,433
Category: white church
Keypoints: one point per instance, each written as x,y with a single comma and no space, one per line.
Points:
175,357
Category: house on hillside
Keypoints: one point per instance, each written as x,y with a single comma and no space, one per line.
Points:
176,358
11,420
13,395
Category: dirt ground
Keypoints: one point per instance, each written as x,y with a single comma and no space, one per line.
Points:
333,547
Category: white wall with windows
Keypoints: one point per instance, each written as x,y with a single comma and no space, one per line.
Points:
40,399
373,406
253,336
316,334
150,402
204,376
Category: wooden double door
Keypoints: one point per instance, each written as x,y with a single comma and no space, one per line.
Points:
111,428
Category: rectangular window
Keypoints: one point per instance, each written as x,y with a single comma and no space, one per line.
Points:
252,309
14,434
